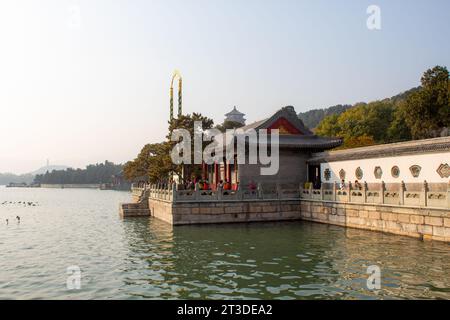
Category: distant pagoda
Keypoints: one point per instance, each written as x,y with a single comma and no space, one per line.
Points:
235,116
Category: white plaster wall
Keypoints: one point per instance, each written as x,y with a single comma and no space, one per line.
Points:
429,163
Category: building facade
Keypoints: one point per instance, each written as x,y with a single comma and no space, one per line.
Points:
411,163
296,145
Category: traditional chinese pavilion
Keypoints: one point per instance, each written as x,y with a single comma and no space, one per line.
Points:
235,116
296,144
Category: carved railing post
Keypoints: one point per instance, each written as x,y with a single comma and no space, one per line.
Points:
310,186
364,192
219,191
424,201
278,191
334,191
401,195
349,193
300,189
260,190
382,188
174,192
448,195
169,191
321,191
240,192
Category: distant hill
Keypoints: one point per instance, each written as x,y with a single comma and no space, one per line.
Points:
93,174
49,169
7,178
312,118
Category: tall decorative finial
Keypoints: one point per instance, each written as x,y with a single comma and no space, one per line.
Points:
176,74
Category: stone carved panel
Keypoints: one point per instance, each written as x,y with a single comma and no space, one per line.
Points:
395,172
415,170
359,173
378,172
443,170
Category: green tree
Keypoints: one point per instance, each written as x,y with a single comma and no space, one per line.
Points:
329,126
427,111
92,174
187,122
399,129
154,161
229,125
356,142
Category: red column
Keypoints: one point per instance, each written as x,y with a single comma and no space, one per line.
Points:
216,173
225,170
204,173
235,170
228,173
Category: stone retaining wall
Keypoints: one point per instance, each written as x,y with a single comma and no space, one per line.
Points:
424,223
225,212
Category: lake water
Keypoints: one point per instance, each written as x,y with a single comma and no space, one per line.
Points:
145,258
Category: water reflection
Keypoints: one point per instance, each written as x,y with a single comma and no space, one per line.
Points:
280,261
147,258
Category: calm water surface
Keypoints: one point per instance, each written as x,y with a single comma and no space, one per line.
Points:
144,258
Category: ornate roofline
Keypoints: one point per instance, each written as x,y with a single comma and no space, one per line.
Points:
385,150
289,114
234,112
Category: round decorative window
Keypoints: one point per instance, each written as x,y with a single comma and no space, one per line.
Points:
415,170
378,172
395,172
359,173
342,174
327,174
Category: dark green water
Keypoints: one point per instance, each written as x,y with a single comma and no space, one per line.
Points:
146,258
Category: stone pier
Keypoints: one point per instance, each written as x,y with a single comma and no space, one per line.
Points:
225,212
354,209
139,205
423,223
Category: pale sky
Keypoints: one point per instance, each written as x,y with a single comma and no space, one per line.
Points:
80,90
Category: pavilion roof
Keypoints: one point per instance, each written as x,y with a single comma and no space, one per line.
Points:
305,140
234,112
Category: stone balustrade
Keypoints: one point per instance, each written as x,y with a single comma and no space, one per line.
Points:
170,193
411,210
378,194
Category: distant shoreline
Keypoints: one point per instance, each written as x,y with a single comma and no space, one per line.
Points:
71,186
92,186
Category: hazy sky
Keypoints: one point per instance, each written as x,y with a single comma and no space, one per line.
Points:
81,90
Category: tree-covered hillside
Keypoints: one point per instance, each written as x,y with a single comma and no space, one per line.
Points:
93,174
312,118
419,113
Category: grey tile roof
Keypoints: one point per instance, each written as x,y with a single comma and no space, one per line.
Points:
289,114
385,150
